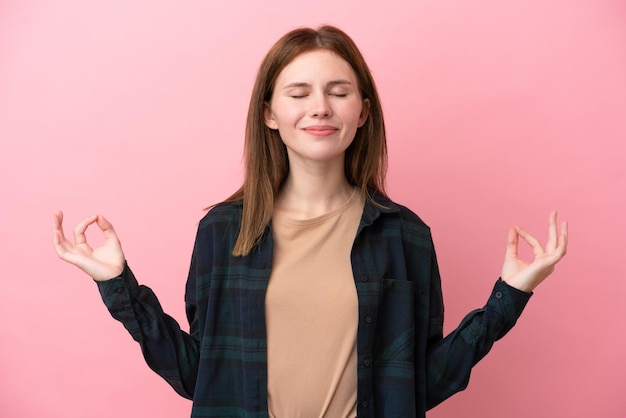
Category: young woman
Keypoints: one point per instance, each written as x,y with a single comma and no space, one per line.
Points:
311,293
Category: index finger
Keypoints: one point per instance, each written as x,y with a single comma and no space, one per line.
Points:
79,231
532,241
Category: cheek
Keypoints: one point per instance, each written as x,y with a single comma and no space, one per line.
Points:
353,113
288,115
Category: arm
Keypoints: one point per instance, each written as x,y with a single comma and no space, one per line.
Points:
172,353
450,359
169,351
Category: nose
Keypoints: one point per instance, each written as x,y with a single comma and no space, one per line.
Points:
320,108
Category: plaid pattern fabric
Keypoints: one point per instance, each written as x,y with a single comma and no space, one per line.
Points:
405,366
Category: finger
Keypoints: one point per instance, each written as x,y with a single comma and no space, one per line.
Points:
553,235
562,245
512,243
61,245
532,241
79,231
106,228
560,248
57,227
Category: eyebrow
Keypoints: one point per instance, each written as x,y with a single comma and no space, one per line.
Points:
329,84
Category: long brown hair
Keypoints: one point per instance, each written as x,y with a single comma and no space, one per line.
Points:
265,155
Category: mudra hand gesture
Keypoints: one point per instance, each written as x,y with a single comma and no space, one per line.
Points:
528,275
101,263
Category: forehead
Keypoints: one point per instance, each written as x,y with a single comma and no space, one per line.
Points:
318,66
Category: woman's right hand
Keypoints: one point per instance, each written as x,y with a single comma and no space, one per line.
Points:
101,263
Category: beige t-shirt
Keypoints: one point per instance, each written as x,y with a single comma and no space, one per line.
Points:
311,310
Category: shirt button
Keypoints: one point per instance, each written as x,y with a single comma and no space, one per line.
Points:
364,279
366,362
365,404
368,319
499,295
119,289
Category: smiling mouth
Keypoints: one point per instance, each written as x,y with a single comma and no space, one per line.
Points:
321,130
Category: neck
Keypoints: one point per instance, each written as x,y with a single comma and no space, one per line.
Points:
309,192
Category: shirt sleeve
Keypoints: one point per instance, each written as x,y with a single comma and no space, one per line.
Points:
169,351
450,359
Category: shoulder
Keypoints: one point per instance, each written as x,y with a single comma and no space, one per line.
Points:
390,209
398,230
415,232
411,218
225,212
220,225
398,222
217,231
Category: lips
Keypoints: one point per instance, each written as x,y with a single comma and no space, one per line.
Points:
322,130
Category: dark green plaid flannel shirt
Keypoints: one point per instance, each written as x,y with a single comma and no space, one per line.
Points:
405,366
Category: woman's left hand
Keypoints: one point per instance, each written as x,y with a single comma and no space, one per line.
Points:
525,275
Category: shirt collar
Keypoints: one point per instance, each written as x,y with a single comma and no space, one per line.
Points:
374,207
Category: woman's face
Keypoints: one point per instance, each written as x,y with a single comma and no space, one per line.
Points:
316,107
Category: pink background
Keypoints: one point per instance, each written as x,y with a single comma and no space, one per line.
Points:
497,112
